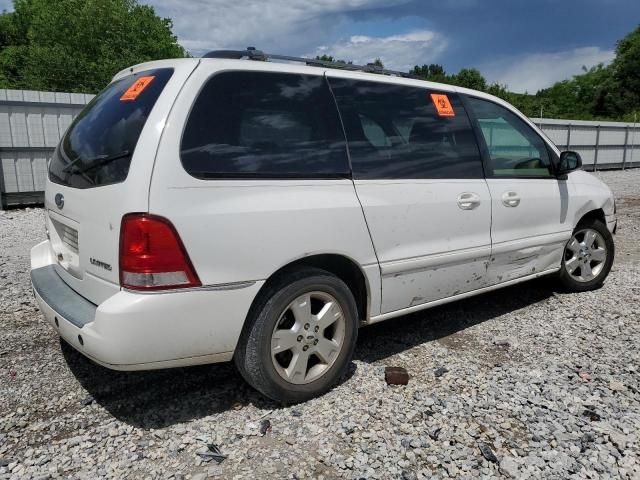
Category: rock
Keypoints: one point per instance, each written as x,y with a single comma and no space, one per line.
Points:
618,439
214,471
530,409
211,452
409,475
502,342
396,376
586,439
265,427
591,414
487,453
440,371
617,386
509,467
74,441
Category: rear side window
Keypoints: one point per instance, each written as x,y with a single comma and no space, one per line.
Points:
97,148
515,149
264,125
396,132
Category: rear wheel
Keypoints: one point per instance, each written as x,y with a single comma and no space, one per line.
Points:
588,257
299,337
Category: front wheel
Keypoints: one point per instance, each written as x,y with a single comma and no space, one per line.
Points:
588,257
299,337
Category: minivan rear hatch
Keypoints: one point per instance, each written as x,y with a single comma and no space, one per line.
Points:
101,170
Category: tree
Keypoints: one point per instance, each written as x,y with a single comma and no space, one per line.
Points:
432,72
470,78
78,45
626,72
329,58
325,58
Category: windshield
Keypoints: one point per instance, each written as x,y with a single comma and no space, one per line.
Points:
97,148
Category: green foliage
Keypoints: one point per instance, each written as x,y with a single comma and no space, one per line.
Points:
325,58
470,78
626,73
602,92
329,58
432,72
78,45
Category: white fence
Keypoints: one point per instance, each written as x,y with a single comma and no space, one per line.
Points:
602,145
32,123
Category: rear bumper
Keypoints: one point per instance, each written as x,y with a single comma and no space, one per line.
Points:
142,331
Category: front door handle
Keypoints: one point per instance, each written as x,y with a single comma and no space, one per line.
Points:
468,200
510,199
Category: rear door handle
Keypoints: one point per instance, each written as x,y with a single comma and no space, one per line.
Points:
510,199
468,200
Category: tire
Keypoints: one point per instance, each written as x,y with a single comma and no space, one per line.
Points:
277,320
581,268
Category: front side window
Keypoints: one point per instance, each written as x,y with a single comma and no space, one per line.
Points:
515,150
264,125
395,132
97,148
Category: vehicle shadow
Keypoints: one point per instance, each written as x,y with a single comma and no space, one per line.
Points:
160,398
388,338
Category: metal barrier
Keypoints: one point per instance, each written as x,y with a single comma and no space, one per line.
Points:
602,145
32,123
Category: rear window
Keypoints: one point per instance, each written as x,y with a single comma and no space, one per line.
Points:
264,125
97,148
395,132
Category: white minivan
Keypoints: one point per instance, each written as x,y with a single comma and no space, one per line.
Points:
215,209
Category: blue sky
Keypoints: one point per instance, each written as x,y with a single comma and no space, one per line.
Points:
526,44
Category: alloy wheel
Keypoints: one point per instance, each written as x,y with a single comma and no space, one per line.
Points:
308,337
585,255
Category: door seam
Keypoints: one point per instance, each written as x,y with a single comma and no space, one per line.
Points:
355,190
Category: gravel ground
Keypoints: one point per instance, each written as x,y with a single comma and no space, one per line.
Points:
525,382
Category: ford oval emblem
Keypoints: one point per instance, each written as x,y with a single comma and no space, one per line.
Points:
59,200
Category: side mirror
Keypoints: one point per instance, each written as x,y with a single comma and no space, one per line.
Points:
569,161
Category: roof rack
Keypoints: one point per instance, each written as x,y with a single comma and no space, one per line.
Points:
252,54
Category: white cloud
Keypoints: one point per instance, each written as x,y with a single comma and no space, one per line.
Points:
399,52
285,26
533,72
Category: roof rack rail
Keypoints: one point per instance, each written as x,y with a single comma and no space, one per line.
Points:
252,54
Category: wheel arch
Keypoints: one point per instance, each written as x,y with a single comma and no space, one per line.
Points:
343,267
595,214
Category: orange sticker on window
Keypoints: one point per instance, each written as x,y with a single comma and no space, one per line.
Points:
136,89
443,105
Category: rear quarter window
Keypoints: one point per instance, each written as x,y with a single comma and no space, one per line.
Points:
264,125
97,148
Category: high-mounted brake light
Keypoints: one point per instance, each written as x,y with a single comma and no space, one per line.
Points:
152,256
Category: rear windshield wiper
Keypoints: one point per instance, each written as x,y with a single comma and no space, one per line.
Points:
96,161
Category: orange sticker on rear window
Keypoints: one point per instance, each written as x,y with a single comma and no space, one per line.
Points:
137,88
443,105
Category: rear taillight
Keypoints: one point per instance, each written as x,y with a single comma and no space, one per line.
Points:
152,257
